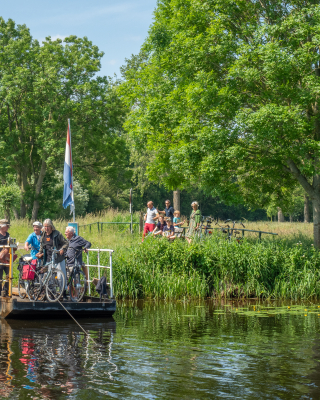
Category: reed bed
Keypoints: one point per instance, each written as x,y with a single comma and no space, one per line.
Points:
281,267
215,268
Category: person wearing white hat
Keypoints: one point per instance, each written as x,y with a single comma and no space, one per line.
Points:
33,239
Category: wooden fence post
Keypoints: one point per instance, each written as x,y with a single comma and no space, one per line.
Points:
141,222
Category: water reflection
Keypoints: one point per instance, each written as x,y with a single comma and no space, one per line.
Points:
53,359
199,350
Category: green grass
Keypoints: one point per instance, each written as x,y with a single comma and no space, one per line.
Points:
216,268
286,266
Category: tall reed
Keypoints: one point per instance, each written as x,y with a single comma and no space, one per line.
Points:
216,268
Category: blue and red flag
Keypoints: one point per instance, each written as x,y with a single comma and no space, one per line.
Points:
68,199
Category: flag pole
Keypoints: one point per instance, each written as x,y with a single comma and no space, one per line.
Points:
72,194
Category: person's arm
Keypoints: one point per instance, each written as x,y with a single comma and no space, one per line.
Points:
197,219
63,243
40,254
157,216
27,243
85,244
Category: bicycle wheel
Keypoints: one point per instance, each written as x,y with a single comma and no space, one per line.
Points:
21,287
78,286
35,289
55,285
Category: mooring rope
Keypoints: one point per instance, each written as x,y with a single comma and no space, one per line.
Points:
46,285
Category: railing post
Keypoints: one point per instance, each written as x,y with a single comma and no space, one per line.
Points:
98,226
259,237
141,222
99,263
90,227
111,281
88,272
10,272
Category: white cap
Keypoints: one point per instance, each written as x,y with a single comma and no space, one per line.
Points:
37,223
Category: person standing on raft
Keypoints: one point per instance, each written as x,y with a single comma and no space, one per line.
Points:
53,240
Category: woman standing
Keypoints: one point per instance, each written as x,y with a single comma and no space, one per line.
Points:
195,219
53,240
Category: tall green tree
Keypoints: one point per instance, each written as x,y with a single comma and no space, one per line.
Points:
226,94
41,86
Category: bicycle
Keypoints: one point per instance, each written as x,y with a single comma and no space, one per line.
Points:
231,231
77,281
26,286
34,287
22,288
51,281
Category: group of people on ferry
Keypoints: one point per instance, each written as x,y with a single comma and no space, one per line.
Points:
168,222
44,239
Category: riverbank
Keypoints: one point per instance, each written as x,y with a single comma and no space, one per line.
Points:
216,268
285,266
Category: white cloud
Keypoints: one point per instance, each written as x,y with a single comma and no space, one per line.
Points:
54,37
112,62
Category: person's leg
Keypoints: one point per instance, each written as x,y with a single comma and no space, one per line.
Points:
1,274
147,228
145,231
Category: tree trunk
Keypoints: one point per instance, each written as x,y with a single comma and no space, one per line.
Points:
23,183
176,200
7,214
280,215
290,218
306,209
36,204
15,213
316,223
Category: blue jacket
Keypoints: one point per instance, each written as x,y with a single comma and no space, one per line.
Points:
34,243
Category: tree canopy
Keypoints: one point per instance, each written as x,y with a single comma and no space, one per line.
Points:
225,94
41,86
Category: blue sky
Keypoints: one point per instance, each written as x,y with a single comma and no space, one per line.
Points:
118,27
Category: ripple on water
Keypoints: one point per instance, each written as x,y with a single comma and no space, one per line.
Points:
176,350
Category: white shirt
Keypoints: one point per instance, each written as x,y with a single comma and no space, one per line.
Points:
150,215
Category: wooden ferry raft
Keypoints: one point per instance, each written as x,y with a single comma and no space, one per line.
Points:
91,307
16,308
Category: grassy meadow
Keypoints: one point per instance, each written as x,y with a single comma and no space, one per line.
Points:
283,266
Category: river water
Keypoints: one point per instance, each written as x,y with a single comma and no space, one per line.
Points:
181,350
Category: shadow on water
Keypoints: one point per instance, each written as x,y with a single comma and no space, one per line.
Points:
53,359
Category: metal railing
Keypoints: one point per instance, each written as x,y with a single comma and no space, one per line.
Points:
12,248
228,230
100,225
99,266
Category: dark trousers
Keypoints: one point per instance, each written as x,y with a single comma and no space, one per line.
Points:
6,271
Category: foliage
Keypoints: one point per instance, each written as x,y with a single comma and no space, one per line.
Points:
41,86
224,95
215,267
9,197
